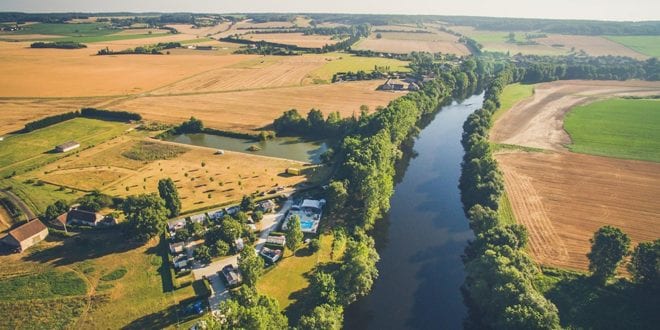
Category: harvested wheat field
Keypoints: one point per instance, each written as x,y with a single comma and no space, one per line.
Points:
249,110
403,43
592,45
16,112
295,39
263,72
201,31
563,198
204,178
539,121
77,73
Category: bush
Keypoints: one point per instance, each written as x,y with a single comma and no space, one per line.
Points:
314,245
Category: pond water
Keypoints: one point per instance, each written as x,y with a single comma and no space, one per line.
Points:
422,238
281,147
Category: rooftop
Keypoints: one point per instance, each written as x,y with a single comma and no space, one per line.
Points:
27,230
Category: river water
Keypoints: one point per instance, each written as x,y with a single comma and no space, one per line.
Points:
422,238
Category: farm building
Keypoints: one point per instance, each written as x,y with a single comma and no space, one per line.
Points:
80,217
67,146
26,235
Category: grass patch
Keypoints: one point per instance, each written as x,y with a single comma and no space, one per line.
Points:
49,284
60,313
584,304
38,197
65,29
150,151
345,63
115,274
495,147
623,128
647,45
111,37
511,95
505,212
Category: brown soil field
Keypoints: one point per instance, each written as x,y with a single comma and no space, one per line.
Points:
201,32
75,73
128,32
592,45
16,112
539,121
225,177
296,39
563,198
264,72
248,24
399,42
248,110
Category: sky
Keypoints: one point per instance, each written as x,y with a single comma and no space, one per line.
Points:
630,10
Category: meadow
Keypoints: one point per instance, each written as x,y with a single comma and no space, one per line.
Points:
648,45
511,95
344,63
623,128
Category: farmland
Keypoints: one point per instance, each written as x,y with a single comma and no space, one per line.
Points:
648,45
548,191
617,127
245,110
403,43
511,95
295,39
346,63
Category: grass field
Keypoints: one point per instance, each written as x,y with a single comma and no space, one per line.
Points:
511,95
648,45
505,212
621,128
49,284
345,63
70,30
110,37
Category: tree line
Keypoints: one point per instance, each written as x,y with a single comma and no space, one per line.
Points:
85,113
58,44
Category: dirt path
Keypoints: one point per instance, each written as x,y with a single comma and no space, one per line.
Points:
539,121
19,202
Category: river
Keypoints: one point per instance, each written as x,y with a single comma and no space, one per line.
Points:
421,240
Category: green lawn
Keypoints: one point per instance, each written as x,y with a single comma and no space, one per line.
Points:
505,212
623,128
66,29
49,284
511,95
584,304
345,63
647,45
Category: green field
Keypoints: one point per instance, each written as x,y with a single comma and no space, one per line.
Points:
49,284
511,95
109,37
647,45
505,212
345,63
623,128
65,29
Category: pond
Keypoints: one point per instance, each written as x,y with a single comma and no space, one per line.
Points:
281,147
421,240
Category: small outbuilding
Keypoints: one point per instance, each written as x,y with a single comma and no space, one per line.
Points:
26,235
64,147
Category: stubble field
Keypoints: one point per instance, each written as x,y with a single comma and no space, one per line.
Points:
403,43
296,39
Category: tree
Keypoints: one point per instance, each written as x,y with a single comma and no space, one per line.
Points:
323,288
314,245
251,266
247,203
323,317
337,195
168,192
249,310
608,247
55,209
193,125
358,270
145,215
203,254
195,229
230,230
257,216
221,248
95,201
293,233
645,263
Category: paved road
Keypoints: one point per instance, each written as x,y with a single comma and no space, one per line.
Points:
19,202
220,292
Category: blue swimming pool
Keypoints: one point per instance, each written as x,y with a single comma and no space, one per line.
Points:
306,224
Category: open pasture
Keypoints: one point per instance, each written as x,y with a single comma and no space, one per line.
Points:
403,43
204,178
253,109
623,128
75,73
563,198
647,45
336,62
294,39
592,45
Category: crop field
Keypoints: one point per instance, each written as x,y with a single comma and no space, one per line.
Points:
295,39
344,63
74,73
97,281
647,45
563,198
538,121
246,110
203,31
204,179
620,128
592,45
403,43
